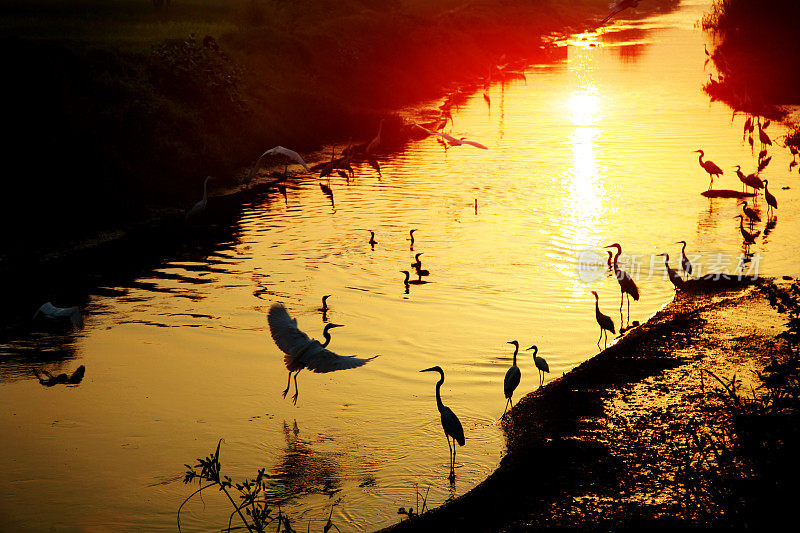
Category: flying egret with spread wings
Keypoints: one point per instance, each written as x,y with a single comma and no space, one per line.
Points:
453,141
304,352
277,150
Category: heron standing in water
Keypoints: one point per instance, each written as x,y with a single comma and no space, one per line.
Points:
540,363
710,167
604,321
674,277
626,284
685,264
450,422
512,378
303,352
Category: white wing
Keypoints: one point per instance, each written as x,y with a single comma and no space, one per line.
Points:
51,311
302,351
288,153
475,144
446,137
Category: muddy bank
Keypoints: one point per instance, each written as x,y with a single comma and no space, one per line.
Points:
119,111
609,445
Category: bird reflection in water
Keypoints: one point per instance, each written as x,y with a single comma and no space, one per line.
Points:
47,379
301,470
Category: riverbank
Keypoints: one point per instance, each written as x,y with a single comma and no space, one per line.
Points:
120,110
640,435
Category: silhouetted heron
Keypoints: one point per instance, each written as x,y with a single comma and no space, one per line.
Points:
604,321
540,363
200,207
686,266
674,277
626,284
512,378
450,422
302,352
710,167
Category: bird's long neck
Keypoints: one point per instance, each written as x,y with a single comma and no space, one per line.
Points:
327,337
439,403
596,304
683,249
205,191
616,256
700,158
535,351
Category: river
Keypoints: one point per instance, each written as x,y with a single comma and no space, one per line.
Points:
582,153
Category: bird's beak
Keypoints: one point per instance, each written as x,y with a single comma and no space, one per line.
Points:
431,369
531,348
331,326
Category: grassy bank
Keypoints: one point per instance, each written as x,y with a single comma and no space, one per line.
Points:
115,107
688,422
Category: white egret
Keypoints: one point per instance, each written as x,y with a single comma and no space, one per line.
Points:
453,141
540,363
685,264
277,150
375,143
710,167
303,352
450,422
52,312
512,378
674,277
604,321
621,5
200,207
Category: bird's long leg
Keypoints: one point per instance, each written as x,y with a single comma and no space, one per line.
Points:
451,454
600,337
629,309
453,468
296,391
288,384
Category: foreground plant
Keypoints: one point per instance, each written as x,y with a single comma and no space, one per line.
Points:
250,494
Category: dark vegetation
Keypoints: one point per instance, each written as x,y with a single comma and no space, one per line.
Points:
250,507
114,108
756,53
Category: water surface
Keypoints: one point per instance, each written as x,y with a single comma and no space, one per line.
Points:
593,150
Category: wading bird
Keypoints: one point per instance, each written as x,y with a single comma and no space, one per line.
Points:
411,234
375,143
620,5
408,281
749,238
417,263
626,284
49,380
540,363
200,207
512,378
710,167
303,352
50,311
324,307
772,203
278,150
750,213
686,266
604,321
674,277
452,141
450,422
